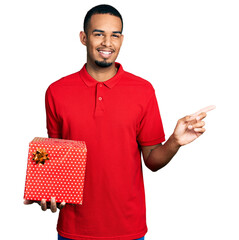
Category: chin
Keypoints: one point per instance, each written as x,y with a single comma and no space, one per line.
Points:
103,64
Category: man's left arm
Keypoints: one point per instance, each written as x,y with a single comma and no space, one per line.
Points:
187,130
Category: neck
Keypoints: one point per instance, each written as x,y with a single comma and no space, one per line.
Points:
101,74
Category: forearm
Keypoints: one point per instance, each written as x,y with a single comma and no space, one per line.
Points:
161,155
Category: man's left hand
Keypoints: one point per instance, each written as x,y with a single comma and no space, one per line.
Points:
191,127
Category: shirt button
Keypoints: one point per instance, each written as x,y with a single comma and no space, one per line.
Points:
101,85
100,98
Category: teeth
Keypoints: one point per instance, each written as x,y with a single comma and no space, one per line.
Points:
105,52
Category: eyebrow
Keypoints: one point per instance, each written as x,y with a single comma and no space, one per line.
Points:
98,30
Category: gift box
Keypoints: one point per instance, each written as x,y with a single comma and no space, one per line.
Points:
56,168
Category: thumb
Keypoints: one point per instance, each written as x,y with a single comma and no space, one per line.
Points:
26,202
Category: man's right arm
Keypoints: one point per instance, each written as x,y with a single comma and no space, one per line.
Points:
53,128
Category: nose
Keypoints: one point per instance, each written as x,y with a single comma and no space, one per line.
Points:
107,41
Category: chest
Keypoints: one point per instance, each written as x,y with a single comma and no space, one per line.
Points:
100,106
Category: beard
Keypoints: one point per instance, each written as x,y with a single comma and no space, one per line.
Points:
103,64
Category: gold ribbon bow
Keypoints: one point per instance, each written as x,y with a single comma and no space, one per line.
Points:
40,156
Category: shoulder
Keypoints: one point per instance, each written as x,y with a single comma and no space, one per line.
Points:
65,81
138,80
137,83
62,87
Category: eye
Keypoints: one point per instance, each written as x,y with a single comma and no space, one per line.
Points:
98,34
115,35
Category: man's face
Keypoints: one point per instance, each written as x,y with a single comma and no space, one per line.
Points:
103,39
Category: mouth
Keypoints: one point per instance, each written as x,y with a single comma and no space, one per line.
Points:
105,53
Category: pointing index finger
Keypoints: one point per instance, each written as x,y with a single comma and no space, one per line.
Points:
206,109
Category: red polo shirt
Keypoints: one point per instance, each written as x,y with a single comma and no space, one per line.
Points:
113,118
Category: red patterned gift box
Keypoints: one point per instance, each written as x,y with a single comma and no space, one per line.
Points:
56,168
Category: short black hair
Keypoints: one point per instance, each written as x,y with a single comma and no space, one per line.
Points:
101,9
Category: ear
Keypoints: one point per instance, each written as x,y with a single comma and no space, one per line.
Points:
122,38
83,38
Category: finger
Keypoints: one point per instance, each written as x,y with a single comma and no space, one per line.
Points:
196,125
189,118
53,204
206,109
43,205
201,116
61,205
199,130
193,119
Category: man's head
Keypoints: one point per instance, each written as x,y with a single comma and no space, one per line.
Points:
102,35
101,9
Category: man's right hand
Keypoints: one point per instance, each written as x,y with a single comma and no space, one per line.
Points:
53,205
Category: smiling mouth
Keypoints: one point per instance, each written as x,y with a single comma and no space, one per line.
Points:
105,53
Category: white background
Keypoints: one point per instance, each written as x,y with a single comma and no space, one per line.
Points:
187,49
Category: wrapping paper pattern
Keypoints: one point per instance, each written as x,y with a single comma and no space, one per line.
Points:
62,176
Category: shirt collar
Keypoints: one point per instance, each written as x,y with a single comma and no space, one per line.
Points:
91,82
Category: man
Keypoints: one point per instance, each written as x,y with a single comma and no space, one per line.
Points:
117,114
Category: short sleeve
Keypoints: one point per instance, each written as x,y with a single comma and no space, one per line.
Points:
150,130
53,123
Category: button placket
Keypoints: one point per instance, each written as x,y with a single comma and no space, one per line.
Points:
99,99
